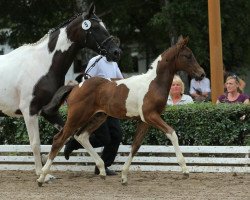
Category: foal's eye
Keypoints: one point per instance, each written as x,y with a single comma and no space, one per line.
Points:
188,56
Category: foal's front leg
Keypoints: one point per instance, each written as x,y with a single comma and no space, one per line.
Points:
156,121
139,135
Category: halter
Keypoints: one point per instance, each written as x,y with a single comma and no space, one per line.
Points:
100,47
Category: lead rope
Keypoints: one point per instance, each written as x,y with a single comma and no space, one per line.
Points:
85,74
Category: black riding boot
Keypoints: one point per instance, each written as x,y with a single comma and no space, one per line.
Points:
70,146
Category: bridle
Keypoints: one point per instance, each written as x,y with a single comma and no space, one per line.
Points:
100,46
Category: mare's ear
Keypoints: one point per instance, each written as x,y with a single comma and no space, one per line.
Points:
91,10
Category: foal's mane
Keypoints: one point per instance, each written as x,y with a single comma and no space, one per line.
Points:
172,51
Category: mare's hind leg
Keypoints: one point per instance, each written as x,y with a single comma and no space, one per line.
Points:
55,119
156,121
83,139
139,135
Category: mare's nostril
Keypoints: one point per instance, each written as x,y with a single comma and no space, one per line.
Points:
117,53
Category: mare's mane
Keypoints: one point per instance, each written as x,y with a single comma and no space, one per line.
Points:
61,25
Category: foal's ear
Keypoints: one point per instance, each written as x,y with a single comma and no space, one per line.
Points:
182,42
91,10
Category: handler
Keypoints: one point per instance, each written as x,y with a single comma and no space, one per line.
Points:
109,134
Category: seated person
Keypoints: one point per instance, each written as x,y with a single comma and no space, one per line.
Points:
233,93
200,89
229,73
176,93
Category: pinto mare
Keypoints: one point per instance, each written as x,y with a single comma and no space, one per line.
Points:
31,74
143,97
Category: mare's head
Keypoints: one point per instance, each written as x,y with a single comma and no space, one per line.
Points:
184,59
89,31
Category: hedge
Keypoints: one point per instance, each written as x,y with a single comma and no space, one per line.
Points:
195,124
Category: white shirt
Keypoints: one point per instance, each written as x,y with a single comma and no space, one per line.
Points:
103,68
203,85
185,99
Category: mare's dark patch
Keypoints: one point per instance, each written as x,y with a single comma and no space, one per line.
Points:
2,114
18,112
53,40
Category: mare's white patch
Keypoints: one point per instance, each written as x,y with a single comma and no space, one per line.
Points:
61,44
138,87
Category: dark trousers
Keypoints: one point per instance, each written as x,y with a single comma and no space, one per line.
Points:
108,135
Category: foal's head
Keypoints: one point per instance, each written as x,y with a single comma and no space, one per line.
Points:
184,59
89,31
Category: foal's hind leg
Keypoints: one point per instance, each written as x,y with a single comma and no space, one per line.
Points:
58,142
83,139
139,135
156,121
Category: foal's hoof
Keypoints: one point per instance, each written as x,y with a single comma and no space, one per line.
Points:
185,176
40,184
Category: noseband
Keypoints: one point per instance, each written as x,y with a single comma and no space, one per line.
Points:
100,46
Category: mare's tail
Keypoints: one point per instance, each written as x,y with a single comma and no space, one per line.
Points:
59,97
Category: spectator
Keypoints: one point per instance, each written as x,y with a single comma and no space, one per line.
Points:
109,134
233,92
242,83
176,93
200,89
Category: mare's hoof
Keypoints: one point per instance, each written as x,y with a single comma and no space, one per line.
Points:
125,183
185,175
103,177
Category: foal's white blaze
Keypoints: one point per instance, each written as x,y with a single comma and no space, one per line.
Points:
138,87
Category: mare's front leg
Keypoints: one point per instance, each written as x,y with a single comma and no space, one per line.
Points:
139,135
155,120
31,123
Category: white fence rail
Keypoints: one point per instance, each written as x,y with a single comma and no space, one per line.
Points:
149,158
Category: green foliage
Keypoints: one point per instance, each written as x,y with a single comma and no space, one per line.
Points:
30,20
195,124
158,21
200,124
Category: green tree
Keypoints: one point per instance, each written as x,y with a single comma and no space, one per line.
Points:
190,18
30,20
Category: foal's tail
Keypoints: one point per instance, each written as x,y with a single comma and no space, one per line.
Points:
59,97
